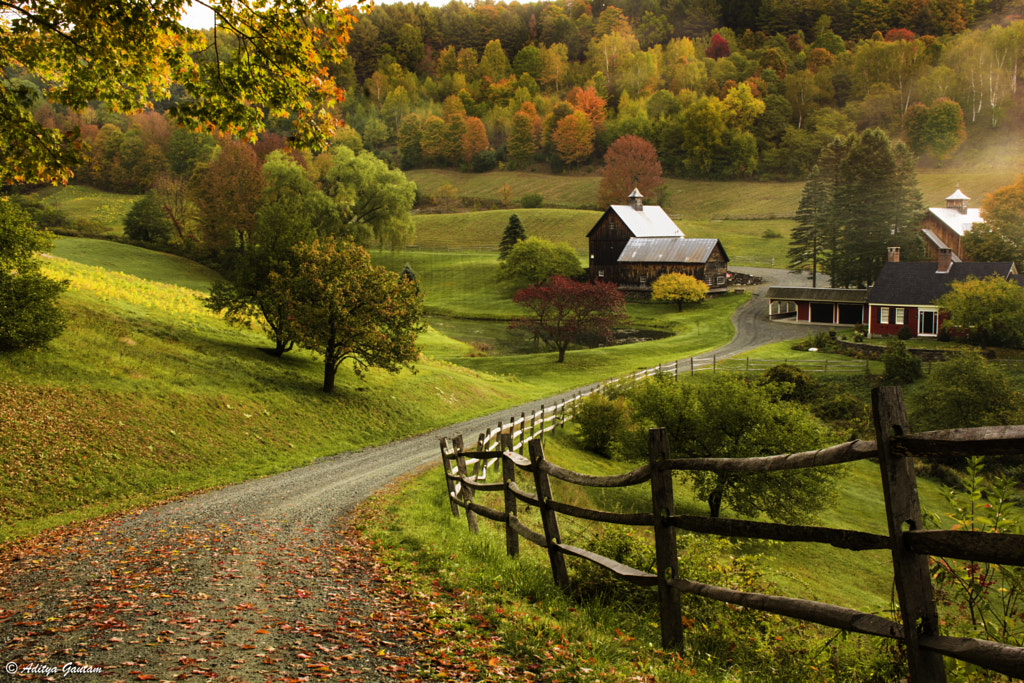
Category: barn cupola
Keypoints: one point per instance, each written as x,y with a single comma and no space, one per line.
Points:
958,200
636,200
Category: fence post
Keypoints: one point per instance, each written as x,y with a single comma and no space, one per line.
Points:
547,515
508,475
447,464
666,555
691,366
467,493
903,510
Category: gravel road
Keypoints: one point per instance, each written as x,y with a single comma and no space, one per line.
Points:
252,582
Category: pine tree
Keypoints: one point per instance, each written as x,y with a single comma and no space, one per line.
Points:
514,233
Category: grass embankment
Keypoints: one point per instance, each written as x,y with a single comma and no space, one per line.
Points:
148,395
81,202
142,263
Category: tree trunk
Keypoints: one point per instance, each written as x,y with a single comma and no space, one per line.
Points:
715,502
330,372
561,353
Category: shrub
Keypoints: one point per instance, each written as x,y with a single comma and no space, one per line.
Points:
770,234
532,200
901,366
795,383
599,419
485,161
905,333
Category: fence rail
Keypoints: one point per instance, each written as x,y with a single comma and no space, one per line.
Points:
910,545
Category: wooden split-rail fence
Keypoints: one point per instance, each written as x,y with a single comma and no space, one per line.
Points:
910,544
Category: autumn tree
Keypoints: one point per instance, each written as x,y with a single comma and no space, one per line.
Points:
563,312
30,315
990,311
718,47
534,260
630,162
1001,236
344,308
226,191
522,143
474,139
574,138
679,288
514,234
263,62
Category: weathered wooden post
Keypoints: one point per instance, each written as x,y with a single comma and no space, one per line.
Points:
903,510
467,492
447,464
508,475
666,555
547,515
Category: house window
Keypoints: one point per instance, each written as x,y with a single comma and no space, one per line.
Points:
883,315
899,316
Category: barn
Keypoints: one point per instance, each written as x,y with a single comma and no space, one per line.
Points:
632,245
945,227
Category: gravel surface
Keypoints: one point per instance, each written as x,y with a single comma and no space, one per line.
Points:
258,581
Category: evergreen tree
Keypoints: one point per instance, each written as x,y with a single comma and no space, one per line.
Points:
514,233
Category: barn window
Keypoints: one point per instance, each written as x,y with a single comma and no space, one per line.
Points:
600,273
720,280
643,280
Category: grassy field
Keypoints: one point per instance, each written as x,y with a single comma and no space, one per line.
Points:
87,203
142,263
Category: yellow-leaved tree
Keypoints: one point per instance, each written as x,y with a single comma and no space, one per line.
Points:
679,288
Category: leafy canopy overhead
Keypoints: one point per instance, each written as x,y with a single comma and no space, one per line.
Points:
265,60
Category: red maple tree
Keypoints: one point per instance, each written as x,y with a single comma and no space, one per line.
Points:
630,162
563,311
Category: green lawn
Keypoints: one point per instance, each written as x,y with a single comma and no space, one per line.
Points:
144,263
81,202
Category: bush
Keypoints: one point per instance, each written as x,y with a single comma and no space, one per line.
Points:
770,234
485,161
797,384
532,200
905,333
901,366
599,419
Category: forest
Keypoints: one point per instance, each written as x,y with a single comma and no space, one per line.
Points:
723,90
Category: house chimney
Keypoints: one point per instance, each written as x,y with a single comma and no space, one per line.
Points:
894,254
945,260
636,200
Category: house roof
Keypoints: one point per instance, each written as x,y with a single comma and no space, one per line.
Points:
960,223
668,250
920,284
651,222
821,294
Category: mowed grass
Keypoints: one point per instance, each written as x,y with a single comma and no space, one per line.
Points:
81,202
130,260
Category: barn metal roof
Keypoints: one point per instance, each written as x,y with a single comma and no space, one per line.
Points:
667,250
652,221
958,222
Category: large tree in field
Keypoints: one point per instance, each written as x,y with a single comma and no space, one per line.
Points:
263,61
533,260
630,162
730,418
563,311
344,308
1001,236
29,313
373,201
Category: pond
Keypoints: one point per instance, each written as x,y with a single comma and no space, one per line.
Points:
493,338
